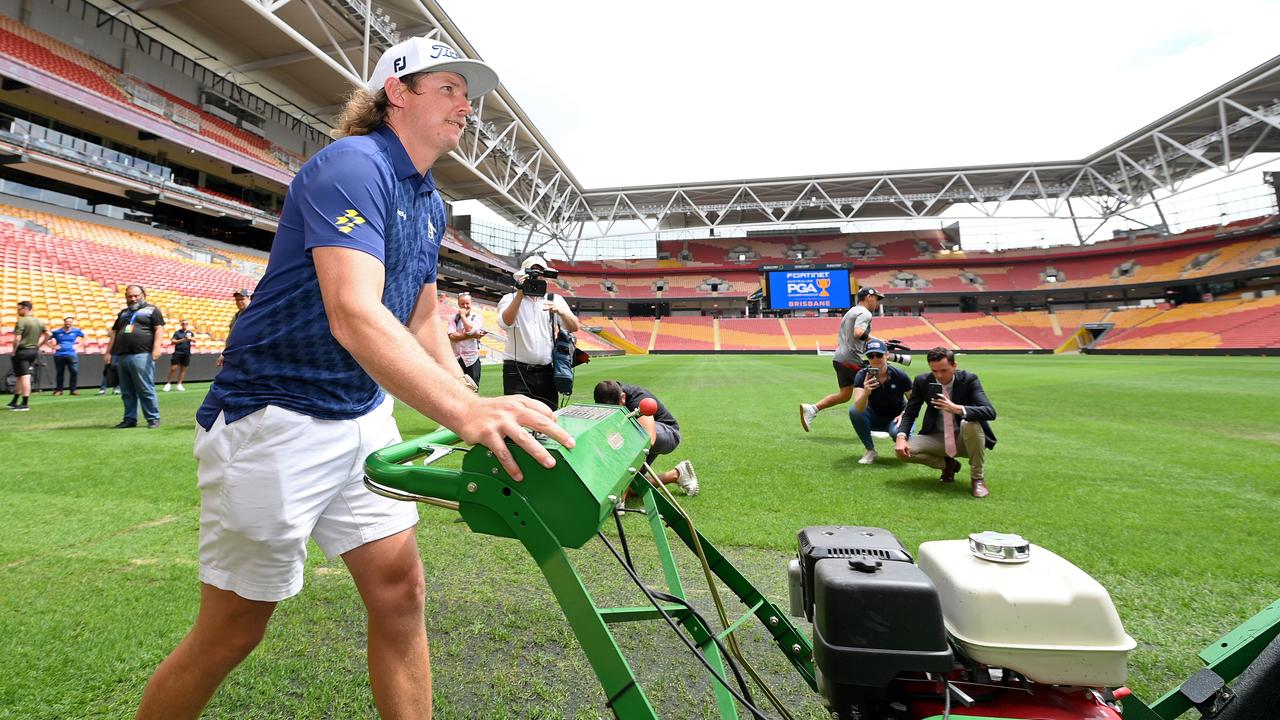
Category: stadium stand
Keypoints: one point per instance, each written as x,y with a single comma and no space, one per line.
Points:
755,334
978,331
1225,324
54,57
1049,330
1039,327
73,267
911,265
685,333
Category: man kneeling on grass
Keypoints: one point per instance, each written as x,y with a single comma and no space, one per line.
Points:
664,431
957,422
878,399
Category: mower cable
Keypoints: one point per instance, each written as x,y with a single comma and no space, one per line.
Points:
755,711
735,649
711,637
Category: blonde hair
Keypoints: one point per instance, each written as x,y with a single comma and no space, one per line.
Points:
363,111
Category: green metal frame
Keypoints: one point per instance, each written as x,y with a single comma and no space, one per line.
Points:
554,509
564,507
1228,657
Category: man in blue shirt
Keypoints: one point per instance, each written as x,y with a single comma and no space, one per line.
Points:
880,392
346,309
66,358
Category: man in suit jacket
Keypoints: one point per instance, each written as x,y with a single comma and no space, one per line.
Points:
963,403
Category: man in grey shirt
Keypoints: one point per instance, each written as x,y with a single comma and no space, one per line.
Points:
855,330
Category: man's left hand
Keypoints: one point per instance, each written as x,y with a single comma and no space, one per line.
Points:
945,405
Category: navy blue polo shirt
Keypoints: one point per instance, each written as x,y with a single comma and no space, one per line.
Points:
362,193
888,399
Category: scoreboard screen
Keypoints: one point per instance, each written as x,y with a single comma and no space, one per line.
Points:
808,289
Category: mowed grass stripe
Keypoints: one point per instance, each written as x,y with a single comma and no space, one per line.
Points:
1156,475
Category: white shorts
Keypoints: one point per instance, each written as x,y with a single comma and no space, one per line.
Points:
273,479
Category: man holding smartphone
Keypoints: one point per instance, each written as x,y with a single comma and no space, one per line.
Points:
878,398
956,423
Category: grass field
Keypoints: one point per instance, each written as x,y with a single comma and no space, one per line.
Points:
1156,475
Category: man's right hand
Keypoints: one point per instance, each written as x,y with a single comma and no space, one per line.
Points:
490,421
902,448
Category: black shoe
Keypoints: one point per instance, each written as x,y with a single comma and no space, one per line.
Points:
19,408
125,424
153,424
949,470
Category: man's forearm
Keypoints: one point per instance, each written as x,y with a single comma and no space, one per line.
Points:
513,310
437,346
405,366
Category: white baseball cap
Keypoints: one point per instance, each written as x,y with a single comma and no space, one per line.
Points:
534,260
423,54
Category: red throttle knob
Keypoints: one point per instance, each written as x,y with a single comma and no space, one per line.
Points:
648,407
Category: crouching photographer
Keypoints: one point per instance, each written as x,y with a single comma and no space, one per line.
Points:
530,316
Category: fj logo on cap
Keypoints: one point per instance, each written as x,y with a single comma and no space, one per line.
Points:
400,64
443,51
348,221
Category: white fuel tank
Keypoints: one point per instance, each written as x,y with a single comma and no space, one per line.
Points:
1015,605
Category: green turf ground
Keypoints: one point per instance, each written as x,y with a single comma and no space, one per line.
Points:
1156,475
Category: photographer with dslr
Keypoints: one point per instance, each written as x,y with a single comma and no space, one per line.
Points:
529,316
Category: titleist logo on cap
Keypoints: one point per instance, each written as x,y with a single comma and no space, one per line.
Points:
438,51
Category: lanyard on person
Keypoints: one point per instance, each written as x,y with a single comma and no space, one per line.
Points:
129,326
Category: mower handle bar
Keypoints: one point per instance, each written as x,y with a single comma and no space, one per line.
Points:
386,468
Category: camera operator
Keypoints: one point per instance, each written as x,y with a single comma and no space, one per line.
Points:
528,316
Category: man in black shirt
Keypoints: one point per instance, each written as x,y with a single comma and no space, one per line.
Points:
241,297
136,338
664,431
180,360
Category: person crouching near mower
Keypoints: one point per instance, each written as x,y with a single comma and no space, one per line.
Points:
956,423
879,395
664,431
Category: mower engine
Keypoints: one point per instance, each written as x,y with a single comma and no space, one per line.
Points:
993,626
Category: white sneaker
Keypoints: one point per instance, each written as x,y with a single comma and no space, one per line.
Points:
102,391
688,478
166,387
116,391
807,414
869,458
180,388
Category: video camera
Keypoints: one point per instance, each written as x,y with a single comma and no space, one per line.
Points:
534,284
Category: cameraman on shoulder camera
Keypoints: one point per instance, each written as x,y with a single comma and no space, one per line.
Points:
529,319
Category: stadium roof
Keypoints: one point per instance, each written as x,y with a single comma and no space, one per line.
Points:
303,55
